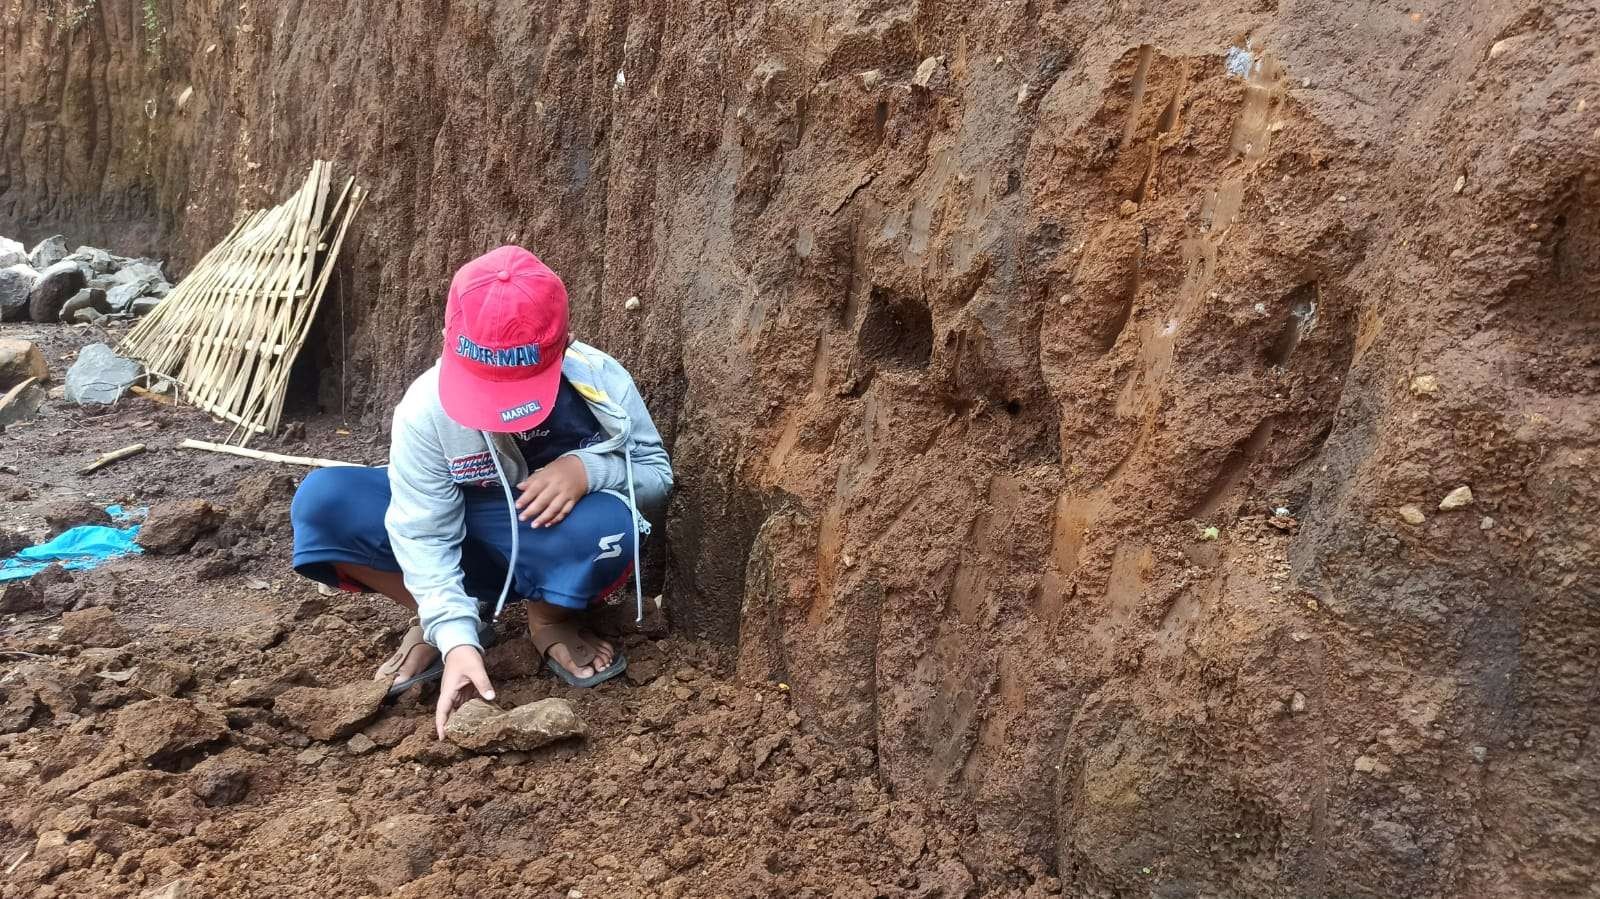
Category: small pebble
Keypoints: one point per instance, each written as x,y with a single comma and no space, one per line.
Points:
1480,754
1459,498
1486,524
1410,513
1297,703
632,304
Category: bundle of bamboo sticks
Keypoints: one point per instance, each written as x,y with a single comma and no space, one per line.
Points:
229,333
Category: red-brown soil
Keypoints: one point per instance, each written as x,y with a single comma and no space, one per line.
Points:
965,322
142,744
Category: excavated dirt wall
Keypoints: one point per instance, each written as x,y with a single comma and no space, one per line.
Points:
966,323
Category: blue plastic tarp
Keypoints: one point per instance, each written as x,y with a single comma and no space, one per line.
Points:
78,548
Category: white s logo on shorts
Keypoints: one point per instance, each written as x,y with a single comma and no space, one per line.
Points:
610,547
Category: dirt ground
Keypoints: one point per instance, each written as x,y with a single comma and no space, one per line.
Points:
965,323
144,750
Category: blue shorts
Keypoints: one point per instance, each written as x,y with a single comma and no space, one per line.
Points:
338,518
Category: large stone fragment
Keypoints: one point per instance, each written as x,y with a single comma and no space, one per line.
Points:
100,376
97,626
173,527
325,714
90,299
146,270
48,252
16,283
98,260
160,729
19,361
121,297
11,252
50,292
481,727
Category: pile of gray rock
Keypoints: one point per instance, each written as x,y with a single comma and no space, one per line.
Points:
87,285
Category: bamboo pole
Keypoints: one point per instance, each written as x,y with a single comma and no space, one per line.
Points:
265,456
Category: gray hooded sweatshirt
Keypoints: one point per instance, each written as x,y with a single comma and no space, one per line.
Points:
431,458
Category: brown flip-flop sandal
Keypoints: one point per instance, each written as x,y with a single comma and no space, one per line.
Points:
582,651
391,665
390,669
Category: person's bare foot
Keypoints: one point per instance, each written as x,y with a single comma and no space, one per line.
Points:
542,614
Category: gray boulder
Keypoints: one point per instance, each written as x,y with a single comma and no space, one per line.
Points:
16,282
144,305
100,375
122,296
98,260
139,270
48,252
11,252
56,284
88,299
88,315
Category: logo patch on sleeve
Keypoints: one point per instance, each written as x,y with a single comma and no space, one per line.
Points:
470,469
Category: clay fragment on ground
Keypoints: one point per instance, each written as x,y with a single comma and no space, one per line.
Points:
161,677
482,727
172,527
71,513
96,626
158,730
262,499
331,714
221,780
20,596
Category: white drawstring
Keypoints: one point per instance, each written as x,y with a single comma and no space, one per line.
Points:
511,504
633,516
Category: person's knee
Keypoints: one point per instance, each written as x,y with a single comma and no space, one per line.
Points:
602,529
322,501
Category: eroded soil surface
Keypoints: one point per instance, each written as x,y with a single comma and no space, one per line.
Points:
142,746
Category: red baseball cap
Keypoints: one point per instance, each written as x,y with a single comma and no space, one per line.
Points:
505,332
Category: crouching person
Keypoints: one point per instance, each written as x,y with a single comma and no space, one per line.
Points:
521,467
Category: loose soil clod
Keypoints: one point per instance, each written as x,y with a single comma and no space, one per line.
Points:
481,727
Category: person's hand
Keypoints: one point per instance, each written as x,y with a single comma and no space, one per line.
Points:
550,493
463,676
